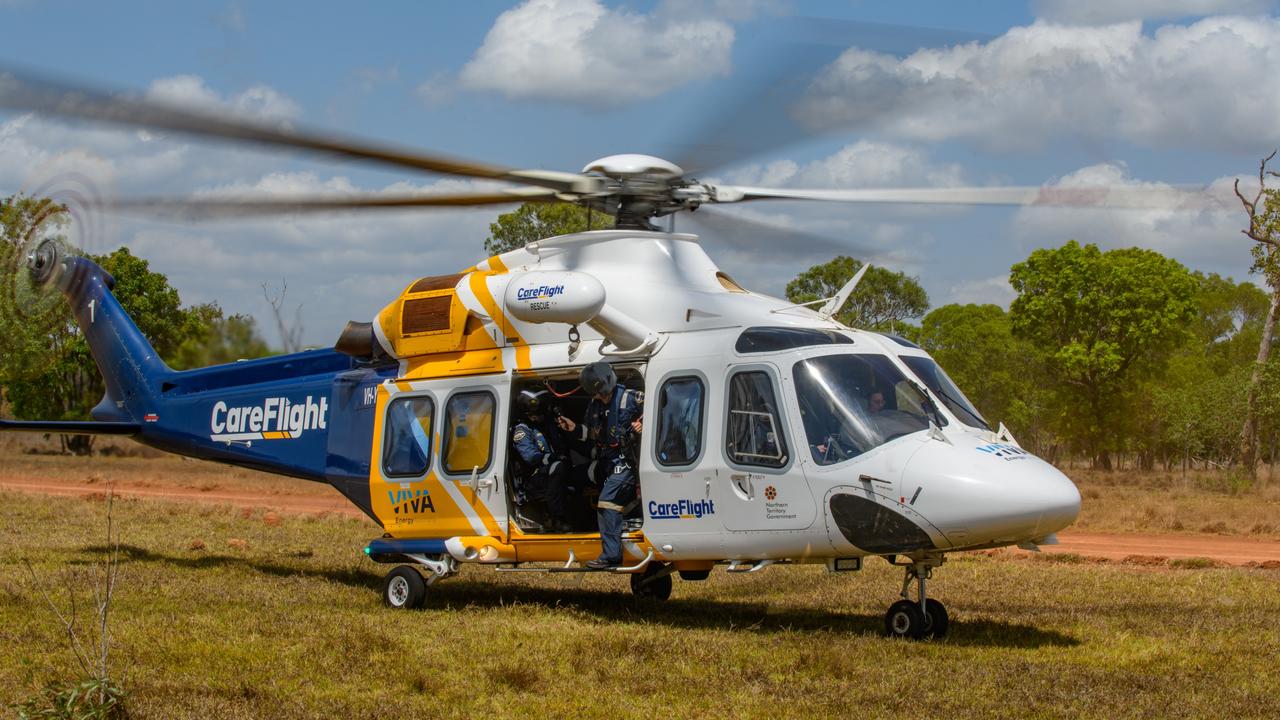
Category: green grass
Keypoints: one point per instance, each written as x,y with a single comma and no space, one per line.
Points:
289,624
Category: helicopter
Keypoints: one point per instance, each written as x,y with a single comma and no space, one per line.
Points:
772,433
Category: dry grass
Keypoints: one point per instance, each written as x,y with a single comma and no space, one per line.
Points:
287,623
1206,502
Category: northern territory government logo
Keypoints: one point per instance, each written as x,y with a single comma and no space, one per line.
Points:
276,418
681,509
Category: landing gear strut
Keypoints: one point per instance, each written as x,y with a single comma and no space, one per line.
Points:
921,618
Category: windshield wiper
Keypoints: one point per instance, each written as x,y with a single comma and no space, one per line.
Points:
929,405
954,403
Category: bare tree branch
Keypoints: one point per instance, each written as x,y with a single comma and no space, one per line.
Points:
290,333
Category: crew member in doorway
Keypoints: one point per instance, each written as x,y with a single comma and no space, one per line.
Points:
612,416
540,443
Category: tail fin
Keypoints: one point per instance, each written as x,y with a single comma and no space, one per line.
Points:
129,365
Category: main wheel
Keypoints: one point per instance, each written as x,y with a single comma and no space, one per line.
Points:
404,588
935,619
648,584
904,620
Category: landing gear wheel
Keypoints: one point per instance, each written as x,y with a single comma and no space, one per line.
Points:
904,620
652,583
404,588
935,619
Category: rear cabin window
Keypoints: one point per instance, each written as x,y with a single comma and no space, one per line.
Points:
754,429
406,444
468,432
680,407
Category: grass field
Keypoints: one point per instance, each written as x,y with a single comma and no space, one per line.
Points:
280,617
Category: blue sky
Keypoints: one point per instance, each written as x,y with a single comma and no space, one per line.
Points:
1125,92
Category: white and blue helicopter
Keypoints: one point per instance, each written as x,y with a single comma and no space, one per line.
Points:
772,433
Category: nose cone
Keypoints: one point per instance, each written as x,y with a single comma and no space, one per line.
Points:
980,493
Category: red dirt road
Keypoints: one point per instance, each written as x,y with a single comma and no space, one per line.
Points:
314,498
1146,548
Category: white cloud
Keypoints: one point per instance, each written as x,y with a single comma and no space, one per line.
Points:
1207,239
579,51
861,164
993,290
1102,12
258,102
1209,84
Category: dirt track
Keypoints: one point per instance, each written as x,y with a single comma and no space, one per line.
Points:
313,498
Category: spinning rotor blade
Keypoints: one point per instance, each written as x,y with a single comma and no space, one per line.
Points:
232,208
1168,198
26,92
765,238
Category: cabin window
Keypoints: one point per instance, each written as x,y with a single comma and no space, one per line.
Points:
406,444
468,432
680,403
754,431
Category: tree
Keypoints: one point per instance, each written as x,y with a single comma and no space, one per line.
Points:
883,300
976,346
223,340
1100,323
534,221
1264,229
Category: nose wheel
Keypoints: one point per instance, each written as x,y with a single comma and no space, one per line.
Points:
921,618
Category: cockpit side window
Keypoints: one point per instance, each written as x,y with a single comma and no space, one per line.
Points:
406,444
754,430
851,403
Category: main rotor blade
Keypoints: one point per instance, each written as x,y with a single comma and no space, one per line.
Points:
232,208
27,92
1166,198
764,239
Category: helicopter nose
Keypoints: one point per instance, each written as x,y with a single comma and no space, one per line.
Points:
977,498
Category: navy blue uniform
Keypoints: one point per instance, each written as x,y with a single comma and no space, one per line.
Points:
606,429
541,447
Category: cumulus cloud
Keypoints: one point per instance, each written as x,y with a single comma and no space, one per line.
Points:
258,101
861,164
1202,238
1206,84
1102,12
581,52
993,290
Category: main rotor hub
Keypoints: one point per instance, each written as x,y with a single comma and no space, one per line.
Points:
631,165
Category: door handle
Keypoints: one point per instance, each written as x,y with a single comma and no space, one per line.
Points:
477,484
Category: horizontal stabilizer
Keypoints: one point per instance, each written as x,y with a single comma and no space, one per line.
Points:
71,427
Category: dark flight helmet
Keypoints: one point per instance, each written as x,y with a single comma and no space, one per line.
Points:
598,379
533,403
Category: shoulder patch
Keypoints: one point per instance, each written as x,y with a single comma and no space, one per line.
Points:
520,434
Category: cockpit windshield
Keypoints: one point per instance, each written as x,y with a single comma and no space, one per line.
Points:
853,403
936,379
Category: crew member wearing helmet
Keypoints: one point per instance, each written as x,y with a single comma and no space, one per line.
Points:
540,444
612,416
